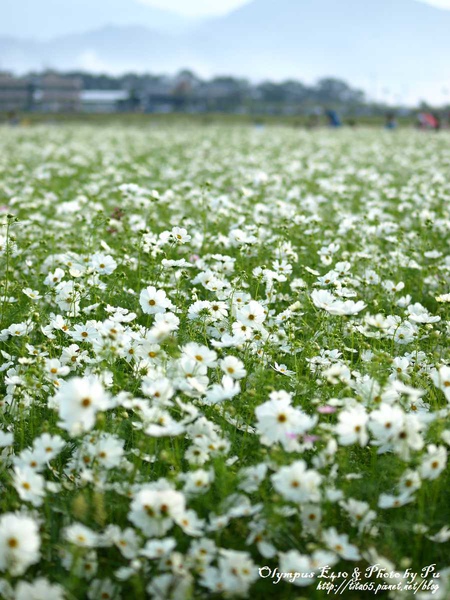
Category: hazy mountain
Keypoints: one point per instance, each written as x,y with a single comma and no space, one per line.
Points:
46,19
400,44
396,43
110,49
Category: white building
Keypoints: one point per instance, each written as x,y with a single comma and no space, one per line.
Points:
103,101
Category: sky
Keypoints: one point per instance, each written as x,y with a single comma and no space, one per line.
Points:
439,3
197,8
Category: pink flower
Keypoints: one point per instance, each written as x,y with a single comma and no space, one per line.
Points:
310,439
326,410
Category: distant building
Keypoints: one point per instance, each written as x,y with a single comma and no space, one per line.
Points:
104,101
15,93
158,96
55,94
79,92
225,94
173,94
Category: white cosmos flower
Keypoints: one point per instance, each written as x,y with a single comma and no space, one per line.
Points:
32,294
441,379
233,367
158,548
278,421
338,373
160,389
241,331
191,375
351,427
154,301
6,439
78,401
283,370
325,300
80,535
404,333
392,287
167,319
229,341
442,536
393,501
54,278
410,482
201,354
386,422
159,332
434,462
68,297
340,544
154,511
104,264
180,235
39,589
297,483
48,446
311,515
19,543
127,540
84,333
252,314
238,571
419,314
108,451
29,459
197,482
347,308
227,390
18,329
238,237
252,477
104,589
359,512
218,310
55,369
29,485
298,567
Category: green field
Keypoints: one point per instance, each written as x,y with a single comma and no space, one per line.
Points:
198,120
224,352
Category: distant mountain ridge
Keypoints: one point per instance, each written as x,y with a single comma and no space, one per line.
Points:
403,44
47,19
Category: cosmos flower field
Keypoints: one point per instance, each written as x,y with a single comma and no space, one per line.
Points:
224,355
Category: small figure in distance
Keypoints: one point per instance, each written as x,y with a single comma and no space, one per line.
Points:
391,122
333,119
428,121
437,122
